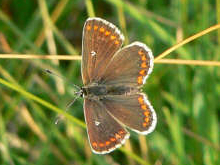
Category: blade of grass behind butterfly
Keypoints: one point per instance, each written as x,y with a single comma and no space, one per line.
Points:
175,124
90,9
122,23
20,160
18,32
47,29
32,28
55,15
211,155
51,46
49,123
61,38
161,143
28,81
209,109
65,43
34,23
205,114
183,81
51,26
62,141
41,101
37,129
5,155
176,102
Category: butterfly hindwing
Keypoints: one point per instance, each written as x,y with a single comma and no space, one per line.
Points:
105,133
101,39
130,66
134,111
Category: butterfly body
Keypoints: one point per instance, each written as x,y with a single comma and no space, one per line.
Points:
99,91
112,79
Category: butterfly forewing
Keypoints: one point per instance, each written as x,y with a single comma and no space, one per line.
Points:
134,111
105,133
101,40
129,66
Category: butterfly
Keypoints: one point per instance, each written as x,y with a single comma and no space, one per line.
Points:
112,78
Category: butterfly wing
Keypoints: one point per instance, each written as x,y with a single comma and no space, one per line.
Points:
105,133
130,66
134,111
101,39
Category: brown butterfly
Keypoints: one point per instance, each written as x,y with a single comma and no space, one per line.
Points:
112,78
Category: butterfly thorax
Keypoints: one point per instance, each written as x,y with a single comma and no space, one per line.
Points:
99,91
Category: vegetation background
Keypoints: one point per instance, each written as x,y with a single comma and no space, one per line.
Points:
186,98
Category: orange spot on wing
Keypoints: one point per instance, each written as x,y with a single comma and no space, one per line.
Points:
107,33
117,136
140,52
113,139
116,42
146,113
101,144
88,27
144,124
94,144
95,27
107,143
142,72
113,37
102,29
144,107
141,100
143,58
140,80
147,119
144,65
121,132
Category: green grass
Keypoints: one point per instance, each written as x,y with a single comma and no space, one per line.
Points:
186,98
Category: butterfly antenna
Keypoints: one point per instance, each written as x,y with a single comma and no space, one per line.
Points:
77,94
63,78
